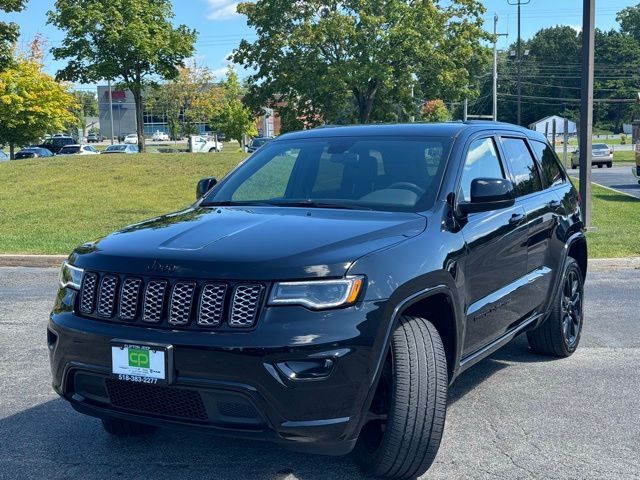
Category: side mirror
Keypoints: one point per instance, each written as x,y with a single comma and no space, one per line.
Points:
489,194
204,186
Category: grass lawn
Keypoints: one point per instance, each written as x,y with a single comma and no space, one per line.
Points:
51,206
617,223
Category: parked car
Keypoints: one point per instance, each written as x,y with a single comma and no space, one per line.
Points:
602,154
256,143
327,291
202,144
121,148
3,156
57,142
131,139
636,170
94,138
78,150
160,137
33,152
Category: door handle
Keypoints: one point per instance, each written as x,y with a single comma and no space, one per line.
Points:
554,204
516,218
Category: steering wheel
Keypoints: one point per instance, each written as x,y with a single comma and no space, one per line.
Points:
408,186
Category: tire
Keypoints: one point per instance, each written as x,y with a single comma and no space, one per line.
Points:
609,165
559,335
574,166
125,428
409,408
599,165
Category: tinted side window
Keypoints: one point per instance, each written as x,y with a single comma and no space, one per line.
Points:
482,162
551,170
526,177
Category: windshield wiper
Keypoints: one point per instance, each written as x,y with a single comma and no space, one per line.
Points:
316,204
230,203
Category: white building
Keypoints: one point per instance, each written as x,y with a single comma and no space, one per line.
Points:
545,125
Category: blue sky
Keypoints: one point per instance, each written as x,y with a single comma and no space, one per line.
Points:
221,28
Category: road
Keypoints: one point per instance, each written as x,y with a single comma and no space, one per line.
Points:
618,177
514,415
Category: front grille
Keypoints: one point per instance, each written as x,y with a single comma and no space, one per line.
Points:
171,303
157,400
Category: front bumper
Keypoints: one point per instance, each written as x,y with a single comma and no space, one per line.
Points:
233,381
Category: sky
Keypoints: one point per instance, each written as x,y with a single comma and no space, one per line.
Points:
221,28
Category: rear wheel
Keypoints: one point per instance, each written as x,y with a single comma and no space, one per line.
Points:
609,165
125,428
406,418
559,335
599,165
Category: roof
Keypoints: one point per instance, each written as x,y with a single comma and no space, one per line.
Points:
446,129
542,120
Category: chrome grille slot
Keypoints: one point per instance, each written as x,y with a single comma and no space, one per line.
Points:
129,298
88,296
154,301
245,304
181,302
211,306
107,295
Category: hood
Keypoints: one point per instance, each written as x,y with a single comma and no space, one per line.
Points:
250,243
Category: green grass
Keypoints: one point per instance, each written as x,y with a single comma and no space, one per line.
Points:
51,206
617,225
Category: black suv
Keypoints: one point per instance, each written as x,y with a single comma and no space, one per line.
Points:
55,144
327,291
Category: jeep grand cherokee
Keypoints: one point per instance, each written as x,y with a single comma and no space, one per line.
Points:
327,291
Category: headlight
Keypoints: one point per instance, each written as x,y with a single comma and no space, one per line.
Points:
70,276
318,294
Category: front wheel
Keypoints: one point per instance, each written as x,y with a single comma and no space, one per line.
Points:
559,335
407,415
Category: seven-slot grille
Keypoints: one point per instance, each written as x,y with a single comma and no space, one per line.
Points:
170,303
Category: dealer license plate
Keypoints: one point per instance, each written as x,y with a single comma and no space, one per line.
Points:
139,363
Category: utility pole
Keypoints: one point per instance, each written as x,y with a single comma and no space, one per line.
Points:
495,65
586,108
465,109
111,108
519,3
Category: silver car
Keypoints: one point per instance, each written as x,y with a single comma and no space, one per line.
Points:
601,154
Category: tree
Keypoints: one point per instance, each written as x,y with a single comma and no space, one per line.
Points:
87,107
9,32
340,61
132,41
187,100
629,20
32,103
235,120
435,111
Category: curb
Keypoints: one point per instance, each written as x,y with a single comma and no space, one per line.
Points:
38,261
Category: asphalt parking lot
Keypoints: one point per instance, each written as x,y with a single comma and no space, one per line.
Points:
515,415
618,177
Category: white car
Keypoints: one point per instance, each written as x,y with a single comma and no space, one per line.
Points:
160,137
202,144
131,139
78,150
601,154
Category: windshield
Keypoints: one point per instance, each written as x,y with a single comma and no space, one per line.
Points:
373,173
600,146
69,150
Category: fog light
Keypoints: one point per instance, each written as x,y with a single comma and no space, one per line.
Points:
306,369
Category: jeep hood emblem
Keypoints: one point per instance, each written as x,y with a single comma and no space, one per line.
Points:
156,266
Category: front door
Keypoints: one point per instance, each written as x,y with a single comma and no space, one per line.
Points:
496,261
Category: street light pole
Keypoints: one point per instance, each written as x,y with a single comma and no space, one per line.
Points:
111,108
519,3
495,66
586,108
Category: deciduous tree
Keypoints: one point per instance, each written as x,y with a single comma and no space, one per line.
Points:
32,103
339,61
132,41
8,31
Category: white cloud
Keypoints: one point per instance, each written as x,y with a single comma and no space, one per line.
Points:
220,73
221,9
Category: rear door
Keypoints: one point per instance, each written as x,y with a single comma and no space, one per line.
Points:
496,258
542,208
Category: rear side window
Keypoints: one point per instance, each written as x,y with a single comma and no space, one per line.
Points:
482,162
551,171
525,173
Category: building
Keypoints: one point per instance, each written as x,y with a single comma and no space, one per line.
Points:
545,125
124,117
